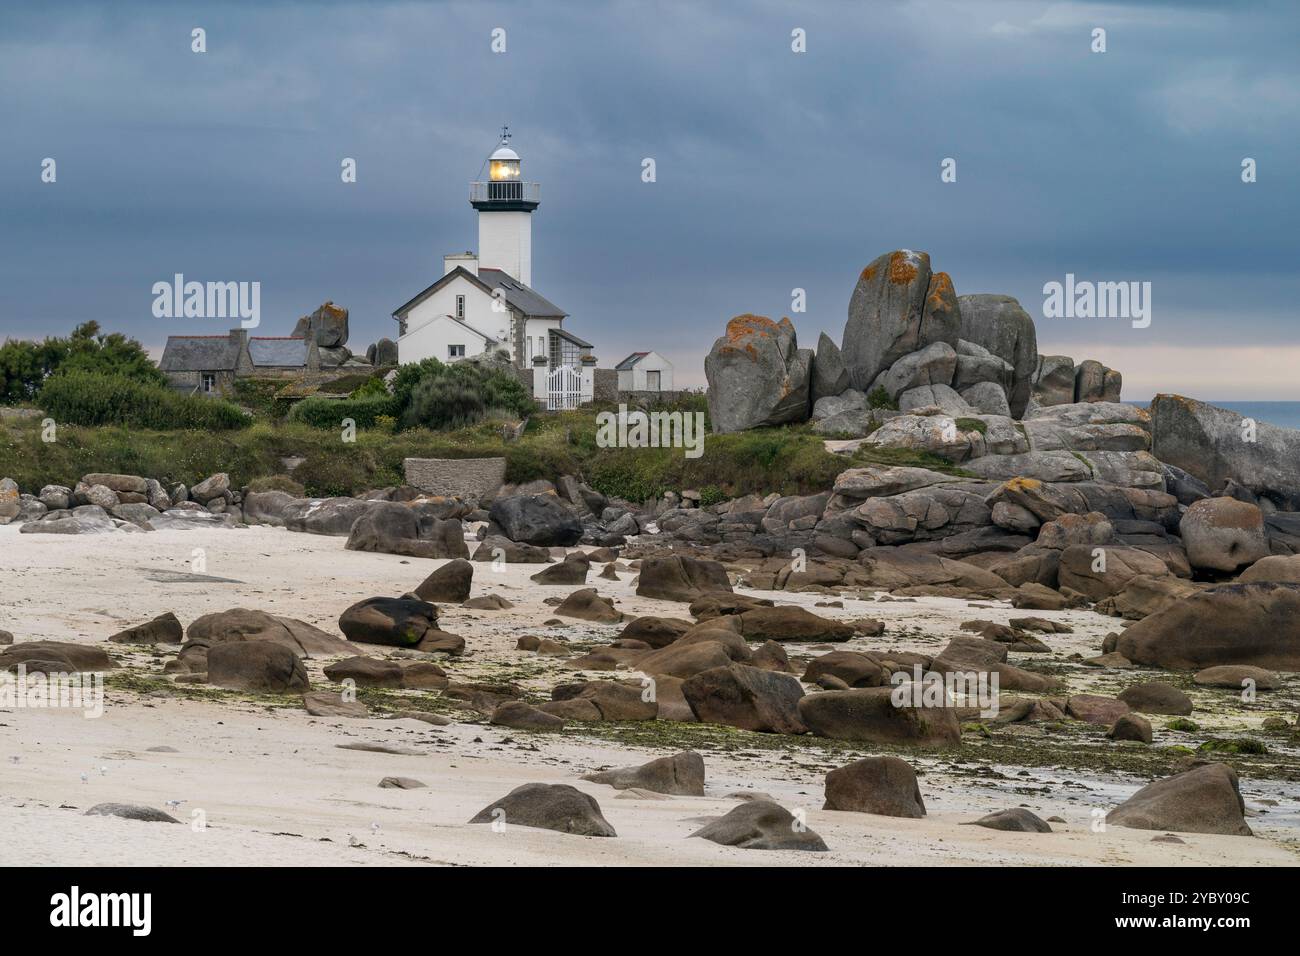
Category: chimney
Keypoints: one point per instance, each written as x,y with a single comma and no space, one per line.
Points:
466,260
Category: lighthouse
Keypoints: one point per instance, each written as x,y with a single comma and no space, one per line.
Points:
505,205
485,303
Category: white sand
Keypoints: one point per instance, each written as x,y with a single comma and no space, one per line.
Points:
274,787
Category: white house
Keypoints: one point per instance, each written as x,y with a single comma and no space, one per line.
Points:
486,302
645,372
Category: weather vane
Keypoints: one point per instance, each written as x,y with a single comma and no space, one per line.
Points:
505,135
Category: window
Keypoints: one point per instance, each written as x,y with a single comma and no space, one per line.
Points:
564,352
455,351
208,381
460,307
652,381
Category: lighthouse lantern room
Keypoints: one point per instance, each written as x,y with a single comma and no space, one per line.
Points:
505,205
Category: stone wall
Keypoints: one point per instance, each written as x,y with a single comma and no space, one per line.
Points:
467,477
605,386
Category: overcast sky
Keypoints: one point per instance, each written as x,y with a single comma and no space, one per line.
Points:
775,170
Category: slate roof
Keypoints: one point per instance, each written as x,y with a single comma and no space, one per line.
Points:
199,353
631,360
521,297
278,352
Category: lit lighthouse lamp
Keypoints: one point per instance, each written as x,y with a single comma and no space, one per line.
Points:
503,166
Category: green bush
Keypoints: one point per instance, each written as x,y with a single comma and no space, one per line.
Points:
89,398
711,495
443,403
278,483
344,470
330,412
879,398
430,394
261,396
370,388
26,366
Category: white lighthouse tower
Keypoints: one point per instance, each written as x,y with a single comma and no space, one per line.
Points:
505,205
485,303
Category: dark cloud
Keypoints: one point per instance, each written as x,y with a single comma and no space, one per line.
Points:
775,170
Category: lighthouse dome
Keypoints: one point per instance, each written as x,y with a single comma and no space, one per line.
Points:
505,152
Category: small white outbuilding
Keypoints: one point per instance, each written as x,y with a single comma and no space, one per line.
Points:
645,372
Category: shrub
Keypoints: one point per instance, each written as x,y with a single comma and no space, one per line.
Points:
370,388
442,397
879,398
343,471
89,398
278,483
330,412
261,396
711,495
444,403
26,366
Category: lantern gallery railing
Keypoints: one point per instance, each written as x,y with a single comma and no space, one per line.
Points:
505,192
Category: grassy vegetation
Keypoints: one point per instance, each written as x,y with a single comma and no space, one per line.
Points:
92,398
788,460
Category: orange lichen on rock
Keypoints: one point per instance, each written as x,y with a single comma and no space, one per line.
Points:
901,271
867,273
940,288
742,329
1023,484
743,326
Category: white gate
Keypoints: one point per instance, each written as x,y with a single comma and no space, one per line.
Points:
563,388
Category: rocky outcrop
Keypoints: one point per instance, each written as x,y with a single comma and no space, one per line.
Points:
870,715
332,516
898,307
1000,325
1216,446
548,806
746,697
450,584
680,775
256,666
392,528
1053,382
540,520
761,825
328,325
243,624
680,578
393,622
1094,382
1205,799
1256,624
882,785
830,377
1223,534
757,375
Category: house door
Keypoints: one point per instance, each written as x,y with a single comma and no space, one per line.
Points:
652,381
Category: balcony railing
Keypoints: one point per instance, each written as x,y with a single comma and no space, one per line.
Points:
505,192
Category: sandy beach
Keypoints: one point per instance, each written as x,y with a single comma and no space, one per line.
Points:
272,785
